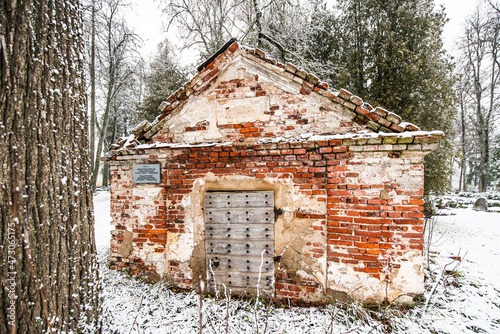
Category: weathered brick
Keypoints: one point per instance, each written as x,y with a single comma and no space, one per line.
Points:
339,180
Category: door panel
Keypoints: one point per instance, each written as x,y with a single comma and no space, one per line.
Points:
239,230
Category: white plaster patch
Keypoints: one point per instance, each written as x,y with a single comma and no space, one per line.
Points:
362,286
298,200
180,246
244,110
408,279
186,201
148,194
410,276
304,275
320,275
151,258
198,109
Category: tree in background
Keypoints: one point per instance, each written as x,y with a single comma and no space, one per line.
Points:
163,77
299,34
462,132
48,264
280,27
389,52
495,162
395,57
480,70
116,63
90,33
205,24
324,46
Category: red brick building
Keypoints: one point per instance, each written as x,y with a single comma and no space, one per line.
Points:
259,175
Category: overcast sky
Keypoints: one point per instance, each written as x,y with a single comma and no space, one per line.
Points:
457,11
146,19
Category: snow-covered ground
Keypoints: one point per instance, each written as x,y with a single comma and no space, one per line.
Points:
465,300
102,220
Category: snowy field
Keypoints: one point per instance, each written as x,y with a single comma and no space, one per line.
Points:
461,296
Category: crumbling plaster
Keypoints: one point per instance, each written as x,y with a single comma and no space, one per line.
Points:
147,198
351,206
394,285
402,276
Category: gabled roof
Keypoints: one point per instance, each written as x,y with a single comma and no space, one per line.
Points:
376,119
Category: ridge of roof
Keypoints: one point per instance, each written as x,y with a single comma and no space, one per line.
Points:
216,54
375,119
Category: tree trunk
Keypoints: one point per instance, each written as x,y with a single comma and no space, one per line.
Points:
112,71
102,133
485,160
258,22
482,138
92,83
105,171
482,158
463,164
359,52
47,228
105,174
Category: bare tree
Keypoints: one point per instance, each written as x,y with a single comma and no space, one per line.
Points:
123,116
206,24
463,130
48,264
283,28
481,66
118,61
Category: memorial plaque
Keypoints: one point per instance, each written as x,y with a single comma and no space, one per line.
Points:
147,173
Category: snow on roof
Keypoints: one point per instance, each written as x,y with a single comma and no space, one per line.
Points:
358,135
409,126
359,138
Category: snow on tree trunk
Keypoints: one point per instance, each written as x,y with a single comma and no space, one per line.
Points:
47,202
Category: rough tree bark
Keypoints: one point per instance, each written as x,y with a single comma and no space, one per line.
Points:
46,201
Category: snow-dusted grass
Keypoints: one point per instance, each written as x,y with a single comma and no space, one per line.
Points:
467,200
466,300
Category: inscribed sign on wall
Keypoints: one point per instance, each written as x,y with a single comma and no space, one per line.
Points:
147,173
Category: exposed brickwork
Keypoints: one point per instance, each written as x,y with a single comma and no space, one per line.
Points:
140,210
365,227
354,175
362,229
296,291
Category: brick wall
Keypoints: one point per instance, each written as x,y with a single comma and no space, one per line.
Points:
372,195
139,210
